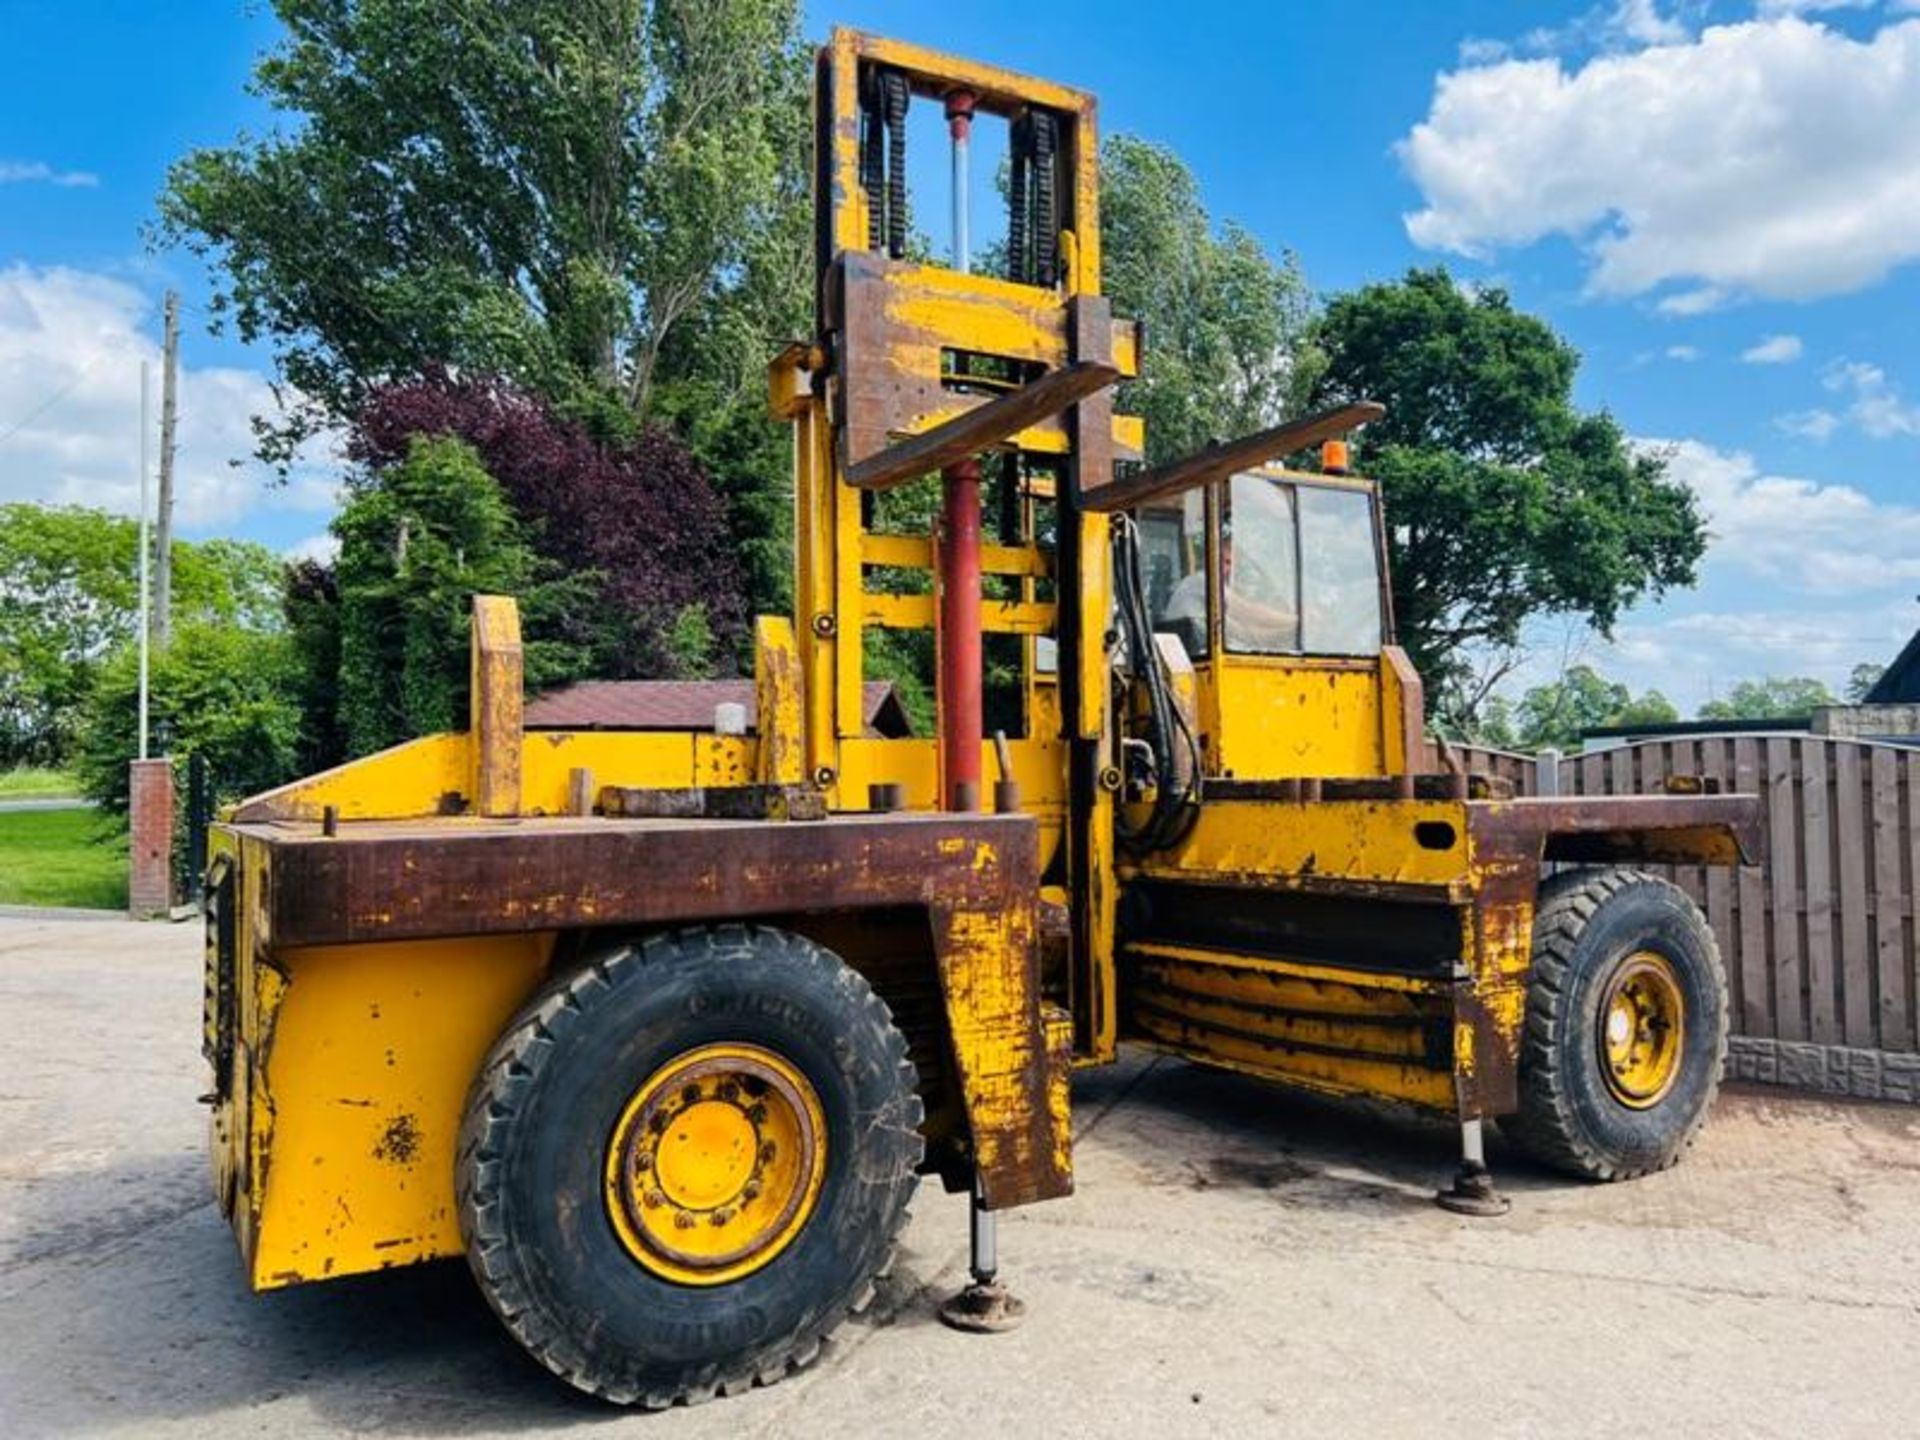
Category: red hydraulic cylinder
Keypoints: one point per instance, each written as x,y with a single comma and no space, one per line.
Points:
958,694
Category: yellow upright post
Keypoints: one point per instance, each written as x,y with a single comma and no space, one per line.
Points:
498,695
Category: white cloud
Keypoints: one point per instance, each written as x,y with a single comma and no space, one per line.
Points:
71,344
1683,352
1641,22
1621,24
323,546
1689,656
1693,302
1799,535
1874,403
1809,424
25,172
1800,578
1774,350
1804,7
1775,157
1484,52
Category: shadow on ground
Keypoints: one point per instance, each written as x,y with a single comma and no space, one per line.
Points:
155,1281
148,1273
1183,1124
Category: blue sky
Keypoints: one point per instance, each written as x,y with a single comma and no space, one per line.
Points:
1718,204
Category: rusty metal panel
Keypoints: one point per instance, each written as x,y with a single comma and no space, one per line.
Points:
976,877
1657,829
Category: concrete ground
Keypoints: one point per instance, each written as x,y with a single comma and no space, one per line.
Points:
1236,1262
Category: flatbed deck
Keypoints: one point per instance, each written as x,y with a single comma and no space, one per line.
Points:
445,876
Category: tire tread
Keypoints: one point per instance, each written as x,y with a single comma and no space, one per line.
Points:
493,1108
1546,1126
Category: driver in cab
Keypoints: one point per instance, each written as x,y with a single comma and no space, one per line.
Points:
1260,619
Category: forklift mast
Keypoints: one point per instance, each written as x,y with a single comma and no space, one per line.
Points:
1001,385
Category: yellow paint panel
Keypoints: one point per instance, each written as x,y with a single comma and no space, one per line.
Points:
406,781
997,617
915,764
779,714
1257,842
915,552
366,1069
994,85
996,317
1296,983
1279,719
1332,1074
498,699
1234,1013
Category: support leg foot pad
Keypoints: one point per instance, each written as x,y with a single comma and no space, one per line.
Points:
1472,1193
984,1309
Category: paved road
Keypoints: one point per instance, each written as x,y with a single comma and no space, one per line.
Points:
56,802
1236,1262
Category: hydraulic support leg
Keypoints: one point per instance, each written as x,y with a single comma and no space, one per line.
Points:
985,1306
1472,1191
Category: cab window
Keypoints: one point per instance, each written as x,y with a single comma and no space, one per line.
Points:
1260,568
1339,572
1173,557
1299,569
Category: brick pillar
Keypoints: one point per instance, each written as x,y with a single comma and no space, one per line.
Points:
150,842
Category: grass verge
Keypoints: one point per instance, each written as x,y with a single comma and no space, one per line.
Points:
57,857
32,783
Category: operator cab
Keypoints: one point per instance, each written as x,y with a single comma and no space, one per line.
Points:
1274,584
1299,569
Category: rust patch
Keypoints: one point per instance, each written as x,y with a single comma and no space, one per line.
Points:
400,1143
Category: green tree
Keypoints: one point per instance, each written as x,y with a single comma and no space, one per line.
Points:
603,202
416,544
312,607
1504,501
1861,679
69,595
1223,319
1561,712
1774,698
225,693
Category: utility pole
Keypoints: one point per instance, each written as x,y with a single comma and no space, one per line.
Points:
145,614
163,542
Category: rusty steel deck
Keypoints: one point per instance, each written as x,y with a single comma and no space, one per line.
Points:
445,879
418,879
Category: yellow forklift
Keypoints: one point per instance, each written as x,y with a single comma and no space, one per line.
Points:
660,1030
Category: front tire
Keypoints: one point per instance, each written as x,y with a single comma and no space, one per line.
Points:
685,1164
1626,1026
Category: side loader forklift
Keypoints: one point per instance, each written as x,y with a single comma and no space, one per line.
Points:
660,1030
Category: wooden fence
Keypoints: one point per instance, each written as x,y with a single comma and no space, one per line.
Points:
1521,771
1821,942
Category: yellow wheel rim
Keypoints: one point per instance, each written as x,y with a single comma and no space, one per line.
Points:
1643,1028
716,1164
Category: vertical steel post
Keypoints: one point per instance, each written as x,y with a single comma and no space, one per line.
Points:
983,1242
959,685
961,708
984,1305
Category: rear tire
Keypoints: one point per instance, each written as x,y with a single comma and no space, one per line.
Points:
1610,1090
561,1250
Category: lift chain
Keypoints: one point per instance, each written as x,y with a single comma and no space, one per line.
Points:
873,160
1046,213
1019,197
894,88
